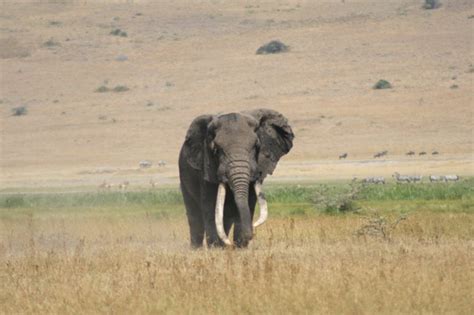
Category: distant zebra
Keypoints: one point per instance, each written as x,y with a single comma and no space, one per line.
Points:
161,163
410,153
450,178
343,156
401,178
416,178
145,164
436,178
374,180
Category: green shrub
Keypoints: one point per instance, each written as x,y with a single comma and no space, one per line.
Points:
382,84
334,199
19,111
431,4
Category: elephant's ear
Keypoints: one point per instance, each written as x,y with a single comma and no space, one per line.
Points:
276,139
198,154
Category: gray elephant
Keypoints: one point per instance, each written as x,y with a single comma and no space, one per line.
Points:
234,153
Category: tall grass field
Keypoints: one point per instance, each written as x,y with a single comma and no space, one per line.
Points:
327,248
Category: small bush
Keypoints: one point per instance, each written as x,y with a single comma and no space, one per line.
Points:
51,43
379,226
382,84
120,88
20,111
431,4
102,89
272,47
331,200
118,32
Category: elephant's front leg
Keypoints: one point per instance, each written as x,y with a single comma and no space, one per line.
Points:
208,204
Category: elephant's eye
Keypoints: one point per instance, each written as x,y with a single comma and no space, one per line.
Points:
213,147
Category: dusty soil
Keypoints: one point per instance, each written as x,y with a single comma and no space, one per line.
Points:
180,60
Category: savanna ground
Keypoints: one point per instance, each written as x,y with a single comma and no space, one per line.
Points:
327,248
182,58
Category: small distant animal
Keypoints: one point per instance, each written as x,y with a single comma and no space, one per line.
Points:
124,185
416,178
401,178
434,153
103,185
380,154
422,153
161,163
153,183
410,153
451,178
145,164
435,178
374,180
343,156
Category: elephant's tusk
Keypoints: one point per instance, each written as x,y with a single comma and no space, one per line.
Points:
220,214
262,203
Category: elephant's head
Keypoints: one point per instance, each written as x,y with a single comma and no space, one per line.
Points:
238,149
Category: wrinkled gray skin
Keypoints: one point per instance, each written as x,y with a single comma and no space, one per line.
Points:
236,149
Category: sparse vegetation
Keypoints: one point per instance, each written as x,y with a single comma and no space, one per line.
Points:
117,89
120,88
272,47
118,32
50,43
333,199
102,89
431,4
382,84
20,111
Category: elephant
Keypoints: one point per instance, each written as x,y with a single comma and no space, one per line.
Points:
229,153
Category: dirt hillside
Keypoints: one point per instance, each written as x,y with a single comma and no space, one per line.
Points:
174,60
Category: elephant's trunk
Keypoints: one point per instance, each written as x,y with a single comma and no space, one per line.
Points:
239,178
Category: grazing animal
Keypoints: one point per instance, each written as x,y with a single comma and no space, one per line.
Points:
401,178
145,164
451,178
410,153
161,163
434,153
374,180
153,183
435,178
343,156
103,185
380,154
230,153
416,178
422,153
124,185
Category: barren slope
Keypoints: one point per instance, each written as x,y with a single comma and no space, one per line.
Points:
183,60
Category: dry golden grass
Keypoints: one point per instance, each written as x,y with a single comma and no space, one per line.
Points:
310,264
